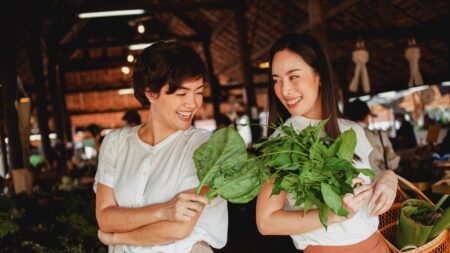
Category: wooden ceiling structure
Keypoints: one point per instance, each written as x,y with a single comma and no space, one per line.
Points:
71,67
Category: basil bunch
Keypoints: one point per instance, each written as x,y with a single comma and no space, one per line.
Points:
315,170
224,165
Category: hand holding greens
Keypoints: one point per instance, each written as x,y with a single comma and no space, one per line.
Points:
315,170
224,165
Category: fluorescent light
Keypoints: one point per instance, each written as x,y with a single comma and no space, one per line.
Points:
362,98
126,91
418,88
103,14
446,83
139,46
389,94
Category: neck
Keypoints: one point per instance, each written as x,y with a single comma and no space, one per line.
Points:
154,131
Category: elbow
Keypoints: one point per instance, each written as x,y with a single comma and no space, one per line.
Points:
103,224
263,226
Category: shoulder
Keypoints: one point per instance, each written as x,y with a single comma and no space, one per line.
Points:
120,133
345,125
196,135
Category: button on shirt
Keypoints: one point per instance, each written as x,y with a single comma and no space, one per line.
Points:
142,175
356,229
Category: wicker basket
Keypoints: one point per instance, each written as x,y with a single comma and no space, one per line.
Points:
388,224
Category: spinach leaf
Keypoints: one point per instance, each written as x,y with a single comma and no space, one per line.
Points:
224,165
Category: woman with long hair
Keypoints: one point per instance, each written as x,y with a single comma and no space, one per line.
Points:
302,92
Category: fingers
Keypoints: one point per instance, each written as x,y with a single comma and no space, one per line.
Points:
193,197
381,203
354,202
362,188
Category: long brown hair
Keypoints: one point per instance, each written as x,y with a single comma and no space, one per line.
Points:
312,53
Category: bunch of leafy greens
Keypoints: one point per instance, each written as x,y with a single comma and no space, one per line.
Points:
315,170
224,165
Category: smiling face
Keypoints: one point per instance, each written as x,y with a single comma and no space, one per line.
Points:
296,85
175,111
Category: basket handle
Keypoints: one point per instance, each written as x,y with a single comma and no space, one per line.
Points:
415,189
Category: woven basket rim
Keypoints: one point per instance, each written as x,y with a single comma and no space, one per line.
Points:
438,240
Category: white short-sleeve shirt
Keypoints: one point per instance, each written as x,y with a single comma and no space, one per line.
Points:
142,175
356,229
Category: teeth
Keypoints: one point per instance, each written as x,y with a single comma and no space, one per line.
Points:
293,101
184,114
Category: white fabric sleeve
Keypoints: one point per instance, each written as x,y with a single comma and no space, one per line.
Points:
212,226
106,161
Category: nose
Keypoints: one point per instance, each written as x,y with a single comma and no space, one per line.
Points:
286,88
190,102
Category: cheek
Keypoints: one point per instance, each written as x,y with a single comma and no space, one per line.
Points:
198,101
278,91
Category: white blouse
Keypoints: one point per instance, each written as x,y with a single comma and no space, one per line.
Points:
356,229
142,175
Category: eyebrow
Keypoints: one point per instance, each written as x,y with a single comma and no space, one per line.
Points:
289,72
184,88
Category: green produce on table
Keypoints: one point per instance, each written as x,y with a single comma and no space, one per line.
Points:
420,222
316,170
224,165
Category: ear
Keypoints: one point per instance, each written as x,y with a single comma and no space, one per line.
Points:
151,96
317,77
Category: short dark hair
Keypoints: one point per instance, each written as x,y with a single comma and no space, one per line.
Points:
132,116
309,48
357,110
165,63
94,129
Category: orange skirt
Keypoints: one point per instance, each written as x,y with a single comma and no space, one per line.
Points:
373,244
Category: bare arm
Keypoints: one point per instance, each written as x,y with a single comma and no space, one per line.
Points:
158,233
112,218
271,219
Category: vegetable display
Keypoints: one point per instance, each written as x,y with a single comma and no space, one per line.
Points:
316,170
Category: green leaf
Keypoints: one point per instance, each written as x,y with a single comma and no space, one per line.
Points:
223,164
347,147
368,172
331,198
307,205
323,215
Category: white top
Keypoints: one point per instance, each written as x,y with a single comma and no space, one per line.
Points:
376,157
142,175
356,229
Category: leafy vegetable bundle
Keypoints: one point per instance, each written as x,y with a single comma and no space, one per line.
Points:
420,222
316,170
224,165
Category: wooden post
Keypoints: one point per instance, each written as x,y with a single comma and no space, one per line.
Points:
8,80
67,119
317,23
35,58
57,102
215,88
244,49
3,153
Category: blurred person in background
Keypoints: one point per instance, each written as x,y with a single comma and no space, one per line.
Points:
131,118
382,156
